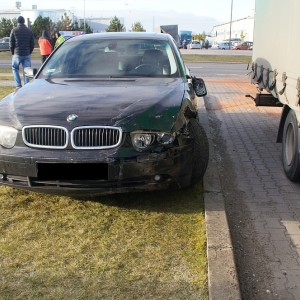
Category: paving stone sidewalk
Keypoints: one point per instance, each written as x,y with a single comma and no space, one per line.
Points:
257,188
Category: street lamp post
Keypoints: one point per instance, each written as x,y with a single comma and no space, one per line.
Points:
230,24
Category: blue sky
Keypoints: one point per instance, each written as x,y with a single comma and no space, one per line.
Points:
195,15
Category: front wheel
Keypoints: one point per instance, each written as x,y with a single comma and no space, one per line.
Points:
290,149
200,151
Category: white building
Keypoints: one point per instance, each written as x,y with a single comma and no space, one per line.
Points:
30,15
53,14
10,14
97,24
240,29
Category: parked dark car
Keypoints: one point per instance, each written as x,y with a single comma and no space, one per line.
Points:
4,44
106,113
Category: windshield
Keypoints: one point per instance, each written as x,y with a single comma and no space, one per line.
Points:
112,58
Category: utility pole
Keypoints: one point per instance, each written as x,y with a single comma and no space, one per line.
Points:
230,25
84,27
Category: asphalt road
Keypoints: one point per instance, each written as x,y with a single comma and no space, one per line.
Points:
210,69
218,70
5,63
201,69
216,52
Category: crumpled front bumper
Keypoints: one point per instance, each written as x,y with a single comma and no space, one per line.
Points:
93,172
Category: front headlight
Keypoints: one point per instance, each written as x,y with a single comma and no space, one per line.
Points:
165,138
8,136
143,140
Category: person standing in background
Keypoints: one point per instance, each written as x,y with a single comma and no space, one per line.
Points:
21,44
53,40
59,39
45,45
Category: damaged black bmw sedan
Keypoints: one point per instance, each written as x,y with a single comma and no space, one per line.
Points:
106,113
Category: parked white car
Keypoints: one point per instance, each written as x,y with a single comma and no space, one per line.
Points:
224,46
195,44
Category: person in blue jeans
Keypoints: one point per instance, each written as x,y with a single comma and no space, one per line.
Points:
21,44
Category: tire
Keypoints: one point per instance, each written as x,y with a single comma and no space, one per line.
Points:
290,149
200,151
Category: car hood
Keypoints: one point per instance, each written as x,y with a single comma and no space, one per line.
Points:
136,103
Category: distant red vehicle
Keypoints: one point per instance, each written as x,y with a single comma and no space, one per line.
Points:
69,34
243,46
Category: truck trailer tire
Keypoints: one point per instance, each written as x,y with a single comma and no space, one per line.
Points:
290,149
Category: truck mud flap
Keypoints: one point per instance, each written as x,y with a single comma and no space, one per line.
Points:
265,100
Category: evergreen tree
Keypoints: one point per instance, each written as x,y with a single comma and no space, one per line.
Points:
115,25
65,24
137,27
6,25
41,24
88,29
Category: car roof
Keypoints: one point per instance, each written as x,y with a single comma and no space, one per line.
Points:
122,35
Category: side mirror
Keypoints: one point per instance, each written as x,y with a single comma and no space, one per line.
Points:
199,87
30,72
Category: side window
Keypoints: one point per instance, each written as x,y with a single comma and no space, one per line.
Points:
172,61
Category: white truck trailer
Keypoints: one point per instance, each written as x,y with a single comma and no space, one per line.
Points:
276,70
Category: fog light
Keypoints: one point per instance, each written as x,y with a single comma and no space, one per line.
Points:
1,176
157,177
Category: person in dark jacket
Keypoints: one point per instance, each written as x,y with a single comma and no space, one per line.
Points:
53,40
45,44
21,44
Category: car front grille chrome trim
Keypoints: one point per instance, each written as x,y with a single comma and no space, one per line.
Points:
44,136
85,137
96,137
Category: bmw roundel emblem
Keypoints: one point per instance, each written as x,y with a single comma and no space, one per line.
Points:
72,117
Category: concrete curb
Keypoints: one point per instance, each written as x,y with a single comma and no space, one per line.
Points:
222,275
